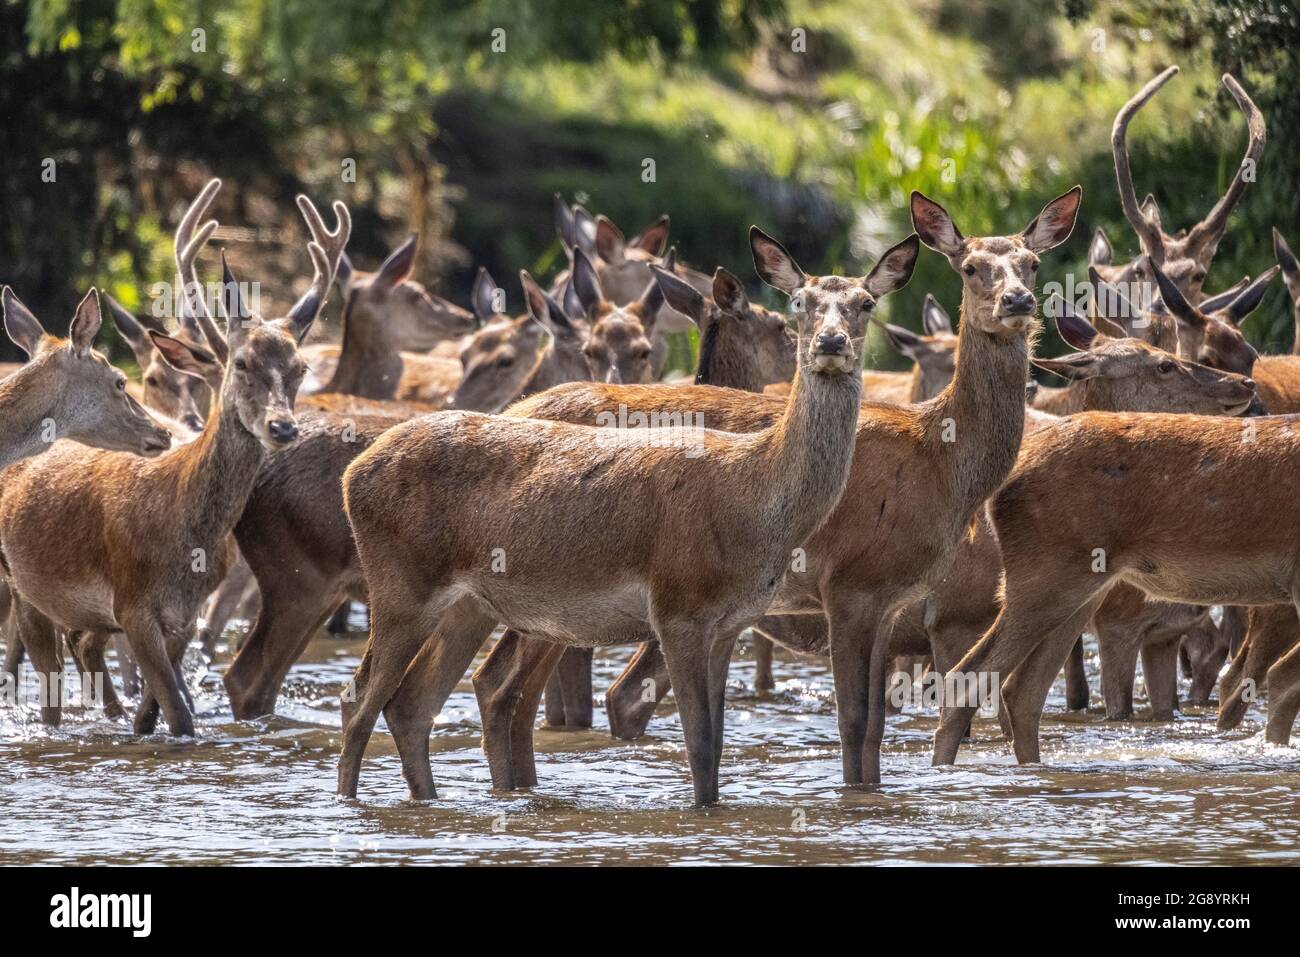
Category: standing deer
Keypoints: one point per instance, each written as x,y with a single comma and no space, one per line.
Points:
1184,258
886,544
68,390
443,574
145,539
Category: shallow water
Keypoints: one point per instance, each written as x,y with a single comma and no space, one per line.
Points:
261,792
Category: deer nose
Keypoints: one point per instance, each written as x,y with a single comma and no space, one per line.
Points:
1018,302
831,342
283,430
192,421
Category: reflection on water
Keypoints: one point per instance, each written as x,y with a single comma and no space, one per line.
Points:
261,792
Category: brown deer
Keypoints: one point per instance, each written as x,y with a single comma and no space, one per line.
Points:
296,538
67,390
1274,631
869,561
150,534
739,509
1225,535
1124,373
1184,258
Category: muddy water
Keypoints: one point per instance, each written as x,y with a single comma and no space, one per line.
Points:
261,792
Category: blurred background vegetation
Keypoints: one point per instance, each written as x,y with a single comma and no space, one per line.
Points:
813,119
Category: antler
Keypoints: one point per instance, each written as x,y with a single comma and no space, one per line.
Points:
1149,234
326,250
1212,226
188,245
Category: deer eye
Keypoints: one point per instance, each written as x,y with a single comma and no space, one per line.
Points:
969,270
1034,265
241,365
505,362
121,385
1166,365
868,305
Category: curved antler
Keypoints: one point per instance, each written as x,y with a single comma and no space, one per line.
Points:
326,250
1212,226
187,246
1149,234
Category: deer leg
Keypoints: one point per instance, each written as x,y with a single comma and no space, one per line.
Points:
1026,688
574,673
1273,630
1040,607
126,665
1283,697
500,684
153,653
38,635
630,701
223,603
292,612
421,688
554,699
1077,692
691,669
850,670
763,680
1160,669
88,650
719,667
1118,650
338,619
1234,625
14,653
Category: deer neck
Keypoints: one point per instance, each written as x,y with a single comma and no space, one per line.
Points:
979,419
29,399
724,361
1063,401
556,364
810,448
370,364
215,473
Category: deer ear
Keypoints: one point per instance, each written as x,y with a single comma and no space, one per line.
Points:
572,304
1175,301
483,297
1075,330
231,303
679,294
1099,251
1286,259
652,297
542,307
397,267
23,328
935,227
894,269
934,318
1054,224
729,293
655,237
1076,365
904,340
1151,210
775,266
344,273
131,330
1250,298
85,324
584,230
1221,299
186,357
586,283
609,241
564,221
1110,303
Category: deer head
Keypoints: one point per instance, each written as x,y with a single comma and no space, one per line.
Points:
832,311
624,267
77,388
1186,257
387,303
165,389
1131,375
619,337
499,357
934,352
998,273
1214,338
742,346
255,364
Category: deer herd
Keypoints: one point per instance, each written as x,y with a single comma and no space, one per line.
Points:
448,468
